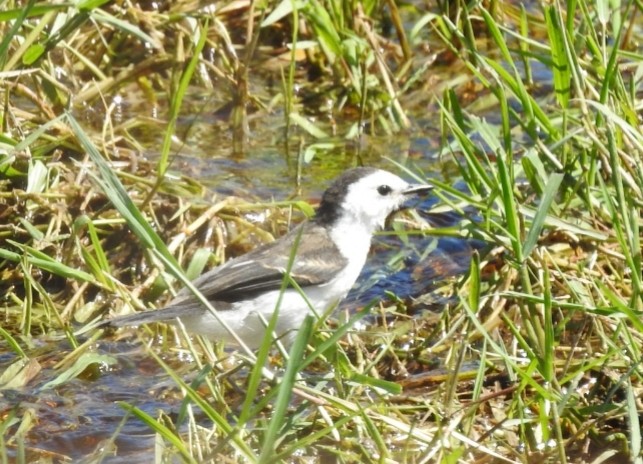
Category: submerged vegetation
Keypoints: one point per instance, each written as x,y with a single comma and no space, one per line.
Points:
537,109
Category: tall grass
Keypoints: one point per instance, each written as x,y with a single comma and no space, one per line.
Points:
539,351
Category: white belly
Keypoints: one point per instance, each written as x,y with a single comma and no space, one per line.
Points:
248,318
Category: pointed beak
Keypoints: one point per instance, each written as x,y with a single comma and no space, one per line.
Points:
417,189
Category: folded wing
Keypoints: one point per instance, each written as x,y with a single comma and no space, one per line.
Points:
316,261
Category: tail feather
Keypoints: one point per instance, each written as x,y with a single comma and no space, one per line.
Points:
168,314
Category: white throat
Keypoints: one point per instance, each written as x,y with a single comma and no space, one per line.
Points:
353,238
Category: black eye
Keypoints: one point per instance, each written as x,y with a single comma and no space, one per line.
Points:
384,190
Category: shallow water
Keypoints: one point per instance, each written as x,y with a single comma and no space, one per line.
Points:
78,419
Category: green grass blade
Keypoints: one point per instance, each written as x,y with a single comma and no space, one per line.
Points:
166,433
101,16
13,344
177,99
509,206
81,364
97,261
10,34
561,67
116,193
43,261
473,282
286,386
548,350
336,335
538,223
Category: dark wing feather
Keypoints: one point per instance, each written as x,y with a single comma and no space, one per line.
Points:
317,260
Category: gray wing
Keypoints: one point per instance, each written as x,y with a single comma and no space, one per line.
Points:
317,260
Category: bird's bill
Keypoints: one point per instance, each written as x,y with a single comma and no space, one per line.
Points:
415,189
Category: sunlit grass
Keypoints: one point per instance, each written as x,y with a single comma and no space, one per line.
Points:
537,356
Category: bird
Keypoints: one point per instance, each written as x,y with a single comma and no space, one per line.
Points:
324,256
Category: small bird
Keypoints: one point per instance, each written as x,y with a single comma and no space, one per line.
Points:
331,249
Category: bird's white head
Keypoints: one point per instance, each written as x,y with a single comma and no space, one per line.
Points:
365,197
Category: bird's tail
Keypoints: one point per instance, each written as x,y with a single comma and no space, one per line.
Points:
168,314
